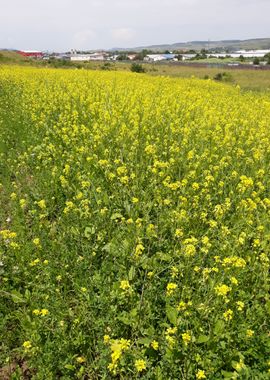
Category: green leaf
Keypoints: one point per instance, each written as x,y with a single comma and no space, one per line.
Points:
267,307
70,366
202,339
17,297
133,313
116,215
163,256
219,327
145,341
89,231
171,313
131,273
227,375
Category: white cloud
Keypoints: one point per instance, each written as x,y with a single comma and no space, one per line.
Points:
83,38
123,34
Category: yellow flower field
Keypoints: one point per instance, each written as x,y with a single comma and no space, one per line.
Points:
134,227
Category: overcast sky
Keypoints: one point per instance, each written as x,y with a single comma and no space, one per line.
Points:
94,24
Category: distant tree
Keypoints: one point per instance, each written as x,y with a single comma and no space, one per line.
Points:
137,68
122,57
204,54
179,57
241,58
139,56
106,66
142,54
256,61
267,58
223,77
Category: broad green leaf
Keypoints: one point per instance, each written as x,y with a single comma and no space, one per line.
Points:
219,327
171,313
202,339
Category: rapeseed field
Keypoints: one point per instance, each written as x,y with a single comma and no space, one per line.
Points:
134,227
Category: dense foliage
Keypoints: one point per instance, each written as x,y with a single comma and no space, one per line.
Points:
134,227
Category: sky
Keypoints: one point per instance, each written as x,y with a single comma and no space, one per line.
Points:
61,25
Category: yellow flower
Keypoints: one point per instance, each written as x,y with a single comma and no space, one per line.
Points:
228,315
140,365
240,365
27,345
171,340
171,288
22,203
124,285
13,196
186,338
190,250
222,290
44,312
112,367
234,281
200,374
36,241
139,249
117,347
155,345
135,200
178,233
171,330
174,272
81,359
42,204
240,305
34,262
249,333
106,339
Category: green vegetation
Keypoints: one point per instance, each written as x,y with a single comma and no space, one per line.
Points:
223,77
12,57
134,227
137,68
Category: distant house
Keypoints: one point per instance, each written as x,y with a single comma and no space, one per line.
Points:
31,53
159,57
186,57
131,57
88,57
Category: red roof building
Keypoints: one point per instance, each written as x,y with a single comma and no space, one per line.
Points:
31,53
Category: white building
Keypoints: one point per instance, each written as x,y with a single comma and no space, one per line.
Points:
159,57
239,53
88,57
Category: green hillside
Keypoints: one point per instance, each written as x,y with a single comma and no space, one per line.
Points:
256,43
8,56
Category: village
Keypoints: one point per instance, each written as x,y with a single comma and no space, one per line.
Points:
73,55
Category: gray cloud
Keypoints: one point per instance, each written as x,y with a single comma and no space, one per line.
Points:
91,24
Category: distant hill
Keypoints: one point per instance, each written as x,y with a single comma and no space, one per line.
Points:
231,45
